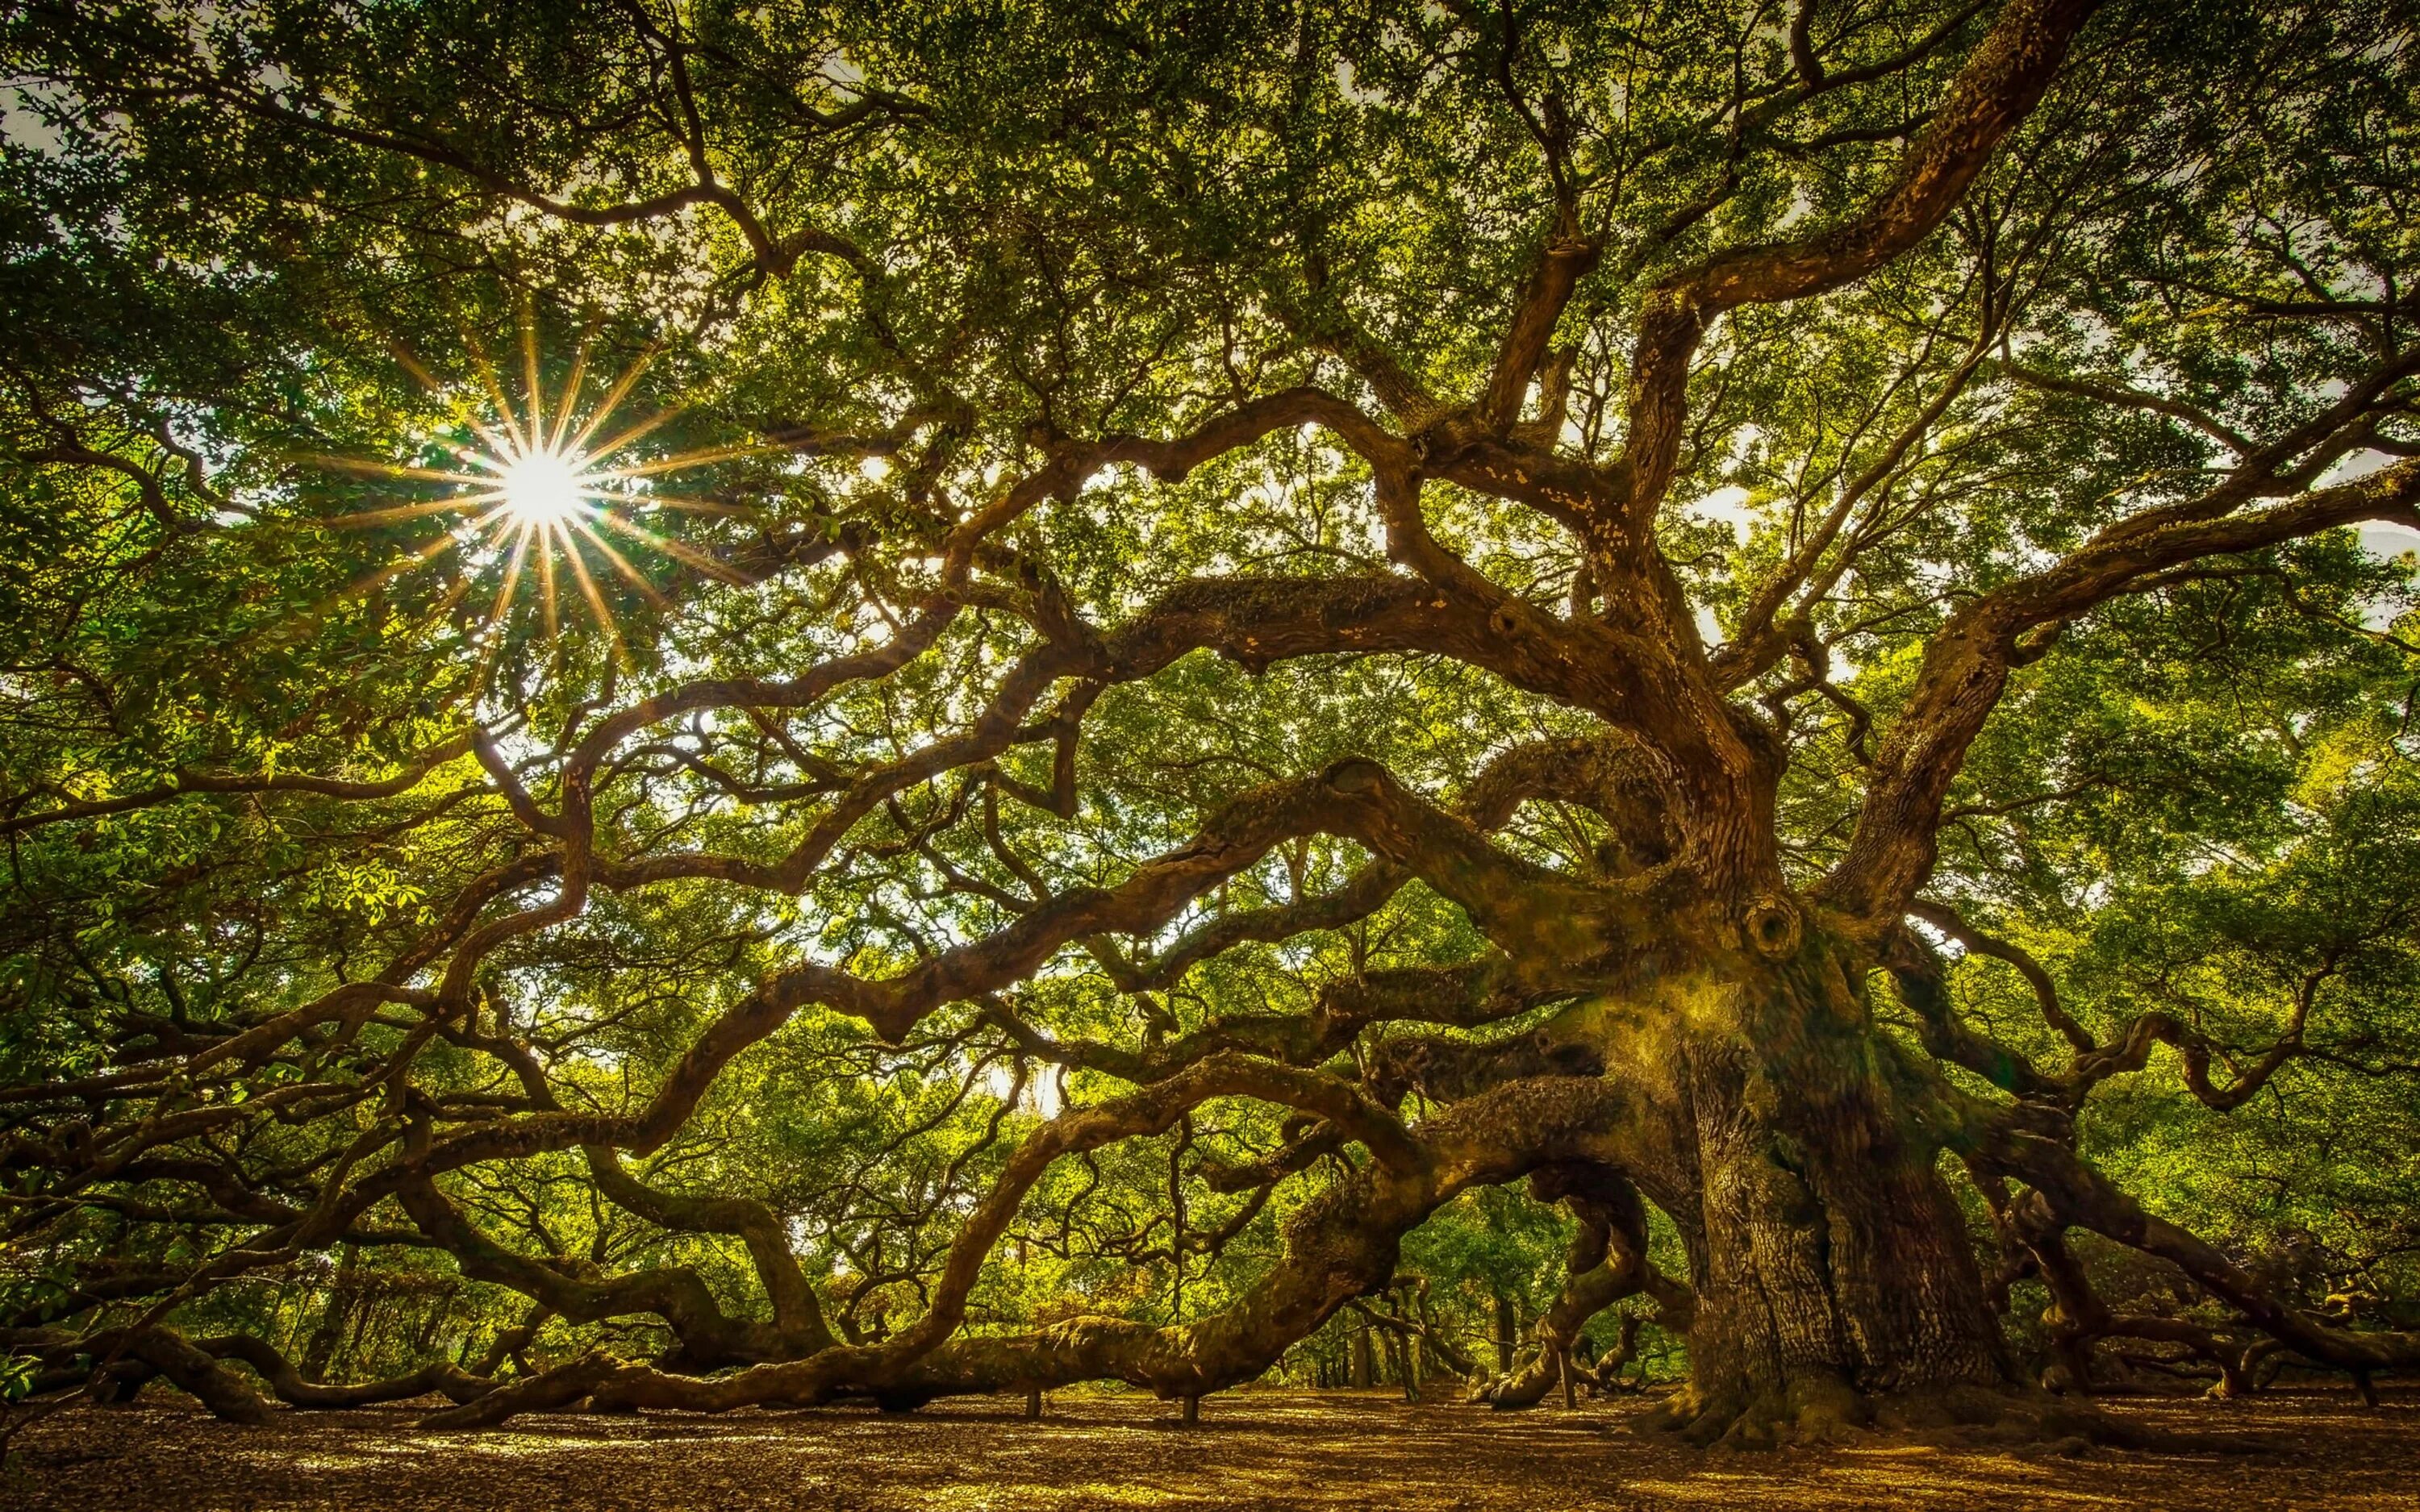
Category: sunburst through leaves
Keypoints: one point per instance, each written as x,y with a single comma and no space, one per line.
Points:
540,490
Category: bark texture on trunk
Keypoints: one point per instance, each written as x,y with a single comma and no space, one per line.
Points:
1830,1263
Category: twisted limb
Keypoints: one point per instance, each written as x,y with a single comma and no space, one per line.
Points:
1343,1243
1607,1262
2078,1316
2072,1193
120,1360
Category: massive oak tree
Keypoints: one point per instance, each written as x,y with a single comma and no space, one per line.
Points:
1196,632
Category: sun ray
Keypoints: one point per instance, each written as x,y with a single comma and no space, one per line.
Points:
366,518
621,565
686,459
454,595
371,466
497,611
522,535
492,628
532,397
692,504
412,365
612,401
428,381
533,484
546,584
629,437
588,589
673,548
378,577
484,371
570,407
489,464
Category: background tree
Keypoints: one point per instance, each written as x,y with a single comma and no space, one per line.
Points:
935,700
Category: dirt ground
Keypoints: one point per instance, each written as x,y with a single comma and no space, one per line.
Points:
1324,1451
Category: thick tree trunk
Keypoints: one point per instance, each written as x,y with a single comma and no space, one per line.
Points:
1833,1268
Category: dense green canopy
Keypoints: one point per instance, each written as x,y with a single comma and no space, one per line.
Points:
1172,609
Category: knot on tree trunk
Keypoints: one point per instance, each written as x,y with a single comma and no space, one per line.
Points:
1773,927
1357,774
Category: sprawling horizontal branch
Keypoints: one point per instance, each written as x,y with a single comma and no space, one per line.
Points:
285,1382
1481,992
2081,1197
2078,1316
412,774
1611,775
708,1336
1945,919
197,1366
1339,1245
1539,913
799,1325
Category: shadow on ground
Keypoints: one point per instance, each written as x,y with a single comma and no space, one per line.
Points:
1319,1452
